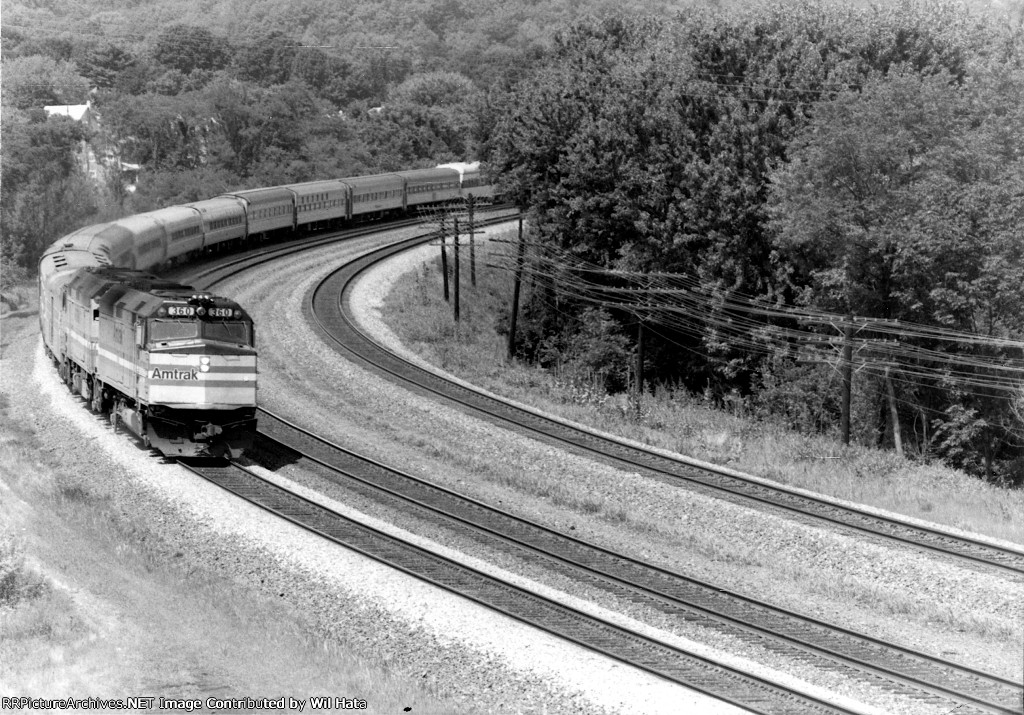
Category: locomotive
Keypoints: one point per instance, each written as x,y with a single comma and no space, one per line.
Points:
175,366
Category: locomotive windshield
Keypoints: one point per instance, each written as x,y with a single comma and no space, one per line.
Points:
164,330
227,332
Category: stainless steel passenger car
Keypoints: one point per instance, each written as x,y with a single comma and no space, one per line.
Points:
267,210
320,202
375,194
429,186
183,227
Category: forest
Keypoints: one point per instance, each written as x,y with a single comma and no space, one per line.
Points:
777,196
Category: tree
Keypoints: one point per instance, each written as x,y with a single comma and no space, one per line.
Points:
267,60
103,64
45,195
903,200
257,123
187,47
37,81
158,131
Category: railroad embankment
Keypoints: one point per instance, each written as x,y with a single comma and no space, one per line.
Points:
106,589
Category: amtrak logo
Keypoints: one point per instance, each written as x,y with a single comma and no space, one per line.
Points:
158,374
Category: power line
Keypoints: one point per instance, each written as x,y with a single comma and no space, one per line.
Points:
741,325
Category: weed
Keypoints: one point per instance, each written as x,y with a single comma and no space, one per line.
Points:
17,582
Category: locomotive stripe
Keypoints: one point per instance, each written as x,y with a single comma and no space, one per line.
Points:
200,396
79,338
225,374
160,375
222,369
202,383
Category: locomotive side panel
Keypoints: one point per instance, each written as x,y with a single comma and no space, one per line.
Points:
117,356
56,269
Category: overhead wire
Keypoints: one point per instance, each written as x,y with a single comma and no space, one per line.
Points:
679,303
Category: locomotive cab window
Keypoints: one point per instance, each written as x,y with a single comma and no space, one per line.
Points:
164,330
228,332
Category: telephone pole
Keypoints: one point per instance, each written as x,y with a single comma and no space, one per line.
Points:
515,293
470,209
844,419
455,238
444,259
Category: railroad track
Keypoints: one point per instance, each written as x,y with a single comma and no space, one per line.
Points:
894,669
333,318
692,671
887,667
207,273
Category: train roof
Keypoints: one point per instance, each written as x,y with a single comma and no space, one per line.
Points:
315,187
172,213
435,174
259,196
376,181
224,201
116,290
462,167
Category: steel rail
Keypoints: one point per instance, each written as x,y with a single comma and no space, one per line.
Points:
333,317
887,666
692,671
975,689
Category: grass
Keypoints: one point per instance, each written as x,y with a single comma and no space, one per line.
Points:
672,419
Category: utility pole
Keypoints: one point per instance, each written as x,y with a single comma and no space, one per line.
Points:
444,259
897,437
639,364
515,293
844,420
470,206
455,234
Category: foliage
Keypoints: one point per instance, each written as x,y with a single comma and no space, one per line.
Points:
187,48
37,80
104,64
899,201
45,195
857,161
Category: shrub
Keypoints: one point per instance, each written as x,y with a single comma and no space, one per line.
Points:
17,583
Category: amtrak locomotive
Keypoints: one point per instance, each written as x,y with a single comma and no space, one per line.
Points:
177,368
